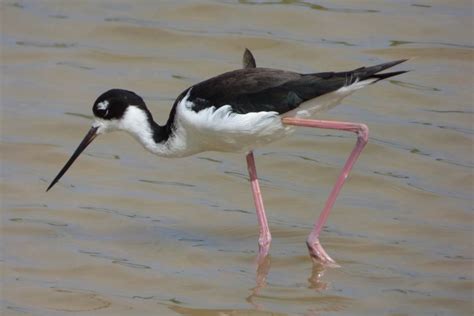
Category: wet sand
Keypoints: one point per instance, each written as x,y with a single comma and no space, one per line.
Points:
128,233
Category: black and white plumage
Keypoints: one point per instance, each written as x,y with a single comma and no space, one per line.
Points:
235,111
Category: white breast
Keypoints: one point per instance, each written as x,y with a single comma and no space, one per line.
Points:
220,129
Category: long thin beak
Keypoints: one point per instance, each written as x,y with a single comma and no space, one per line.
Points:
85,142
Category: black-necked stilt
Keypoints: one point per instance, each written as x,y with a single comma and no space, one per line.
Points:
238,111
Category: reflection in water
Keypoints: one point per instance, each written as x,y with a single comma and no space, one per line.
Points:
411,190
315,280
263,268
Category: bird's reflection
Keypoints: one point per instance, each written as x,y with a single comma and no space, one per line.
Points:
263,267
315,279
263,264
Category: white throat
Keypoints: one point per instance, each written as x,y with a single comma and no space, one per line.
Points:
135,121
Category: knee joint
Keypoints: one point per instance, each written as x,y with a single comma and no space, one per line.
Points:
363,132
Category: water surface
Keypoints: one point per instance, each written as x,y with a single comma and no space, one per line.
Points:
127,233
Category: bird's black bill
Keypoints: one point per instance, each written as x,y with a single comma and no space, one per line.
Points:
85,142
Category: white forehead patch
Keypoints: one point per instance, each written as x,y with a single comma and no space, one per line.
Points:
103,105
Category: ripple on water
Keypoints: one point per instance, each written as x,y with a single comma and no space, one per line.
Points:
39,44
309,4
168,183
116,260
401,228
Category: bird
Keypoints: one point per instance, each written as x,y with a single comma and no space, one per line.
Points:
238,111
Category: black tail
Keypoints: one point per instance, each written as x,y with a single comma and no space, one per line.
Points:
388,75
364,73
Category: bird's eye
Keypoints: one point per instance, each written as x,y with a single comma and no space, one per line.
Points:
102,109
104,105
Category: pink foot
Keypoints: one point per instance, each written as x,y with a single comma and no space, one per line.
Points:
265,237
264,242
318,254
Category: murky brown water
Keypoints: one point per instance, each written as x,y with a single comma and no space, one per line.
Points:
127,233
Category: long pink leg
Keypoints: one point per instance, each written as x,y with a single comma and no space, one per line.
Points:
316,251
265,238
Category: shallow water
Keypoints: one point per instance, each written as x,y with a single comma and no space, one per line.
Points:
126,233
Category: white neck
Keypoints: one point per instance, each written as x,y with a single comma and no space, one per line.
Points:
136,122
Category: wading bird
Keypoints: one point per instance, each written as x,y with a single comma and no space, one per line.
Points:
238,111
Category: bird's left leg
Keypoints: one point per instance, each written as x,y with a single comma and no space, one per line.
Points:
265,237
316,251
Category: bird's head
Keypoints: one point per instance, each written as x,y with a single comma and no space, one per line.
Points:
116,109
113,110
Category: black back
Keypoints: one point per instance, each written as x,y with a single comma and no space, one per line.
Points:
263,89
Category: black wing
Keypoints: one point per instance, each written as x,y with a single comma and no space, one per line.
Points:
263,89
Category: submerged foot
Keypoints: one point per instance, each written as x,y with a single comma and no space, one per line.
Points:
319,255
264,247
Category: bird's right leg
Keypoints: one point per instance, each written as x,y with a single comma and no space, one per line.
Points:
265,238
316,251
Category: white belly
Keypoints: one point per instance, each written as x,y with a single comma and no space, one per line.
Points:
222,130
